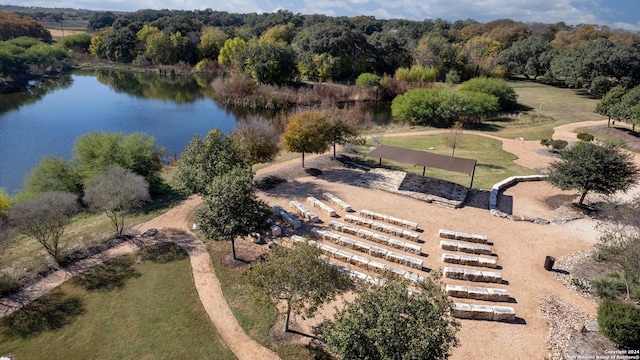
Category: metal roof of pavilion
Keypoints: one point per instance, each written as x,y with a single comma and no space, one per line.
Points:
425,159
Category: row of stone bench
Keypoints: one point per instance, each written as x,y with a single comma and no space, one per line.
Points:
483,312
368,249
337,202
287,217
378,226
467,248
379,238
305,212
322,206
390,219
469,260
472,275
478,293
359,261
454,235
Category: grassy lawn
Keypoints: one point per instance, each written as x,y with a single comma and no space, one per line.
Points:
147,310
256,316
494,164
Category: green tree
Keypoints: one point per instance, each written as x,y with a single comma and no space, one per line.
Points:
54,174
507,98
98,46
45,218
267,62
391,322
620,322
528,57
368,80
204,159
116,192
77,42
101,19
339,132
260,139
297,277
211,41
590,167
96,151
606,105
232,209
228,52
305,133
5,202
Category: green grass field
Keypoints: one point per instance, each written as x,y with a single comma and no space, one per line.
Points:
147,310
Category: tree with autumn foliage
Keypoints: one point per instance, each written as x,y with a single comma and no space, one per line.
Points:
306,133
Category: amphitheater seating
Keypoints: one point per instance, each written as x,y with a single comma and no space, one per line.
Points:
337,202
371,236
472,275
483,312
390,219
378,226
287,217
469,260
453,235
478,293
305,212
468,248
322,206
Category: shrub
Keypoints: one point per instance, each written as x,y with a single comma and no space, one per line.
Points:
608,287
507,98
368,80
620,322
8,284
546,142
78,42
585,137
559,144
417,74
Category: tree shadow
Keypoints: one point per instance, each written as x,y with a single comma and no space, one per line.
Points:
50,312
294,188
109,276
162,253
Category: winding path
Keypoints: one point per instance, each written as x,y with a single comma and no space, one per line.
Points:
205,280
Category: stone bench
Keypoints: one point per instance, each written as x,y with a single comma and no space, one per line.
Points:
322,206
380,239
378,226
468,248
305,212
472,275
453,235
483,312
469,260
390,219
337,202
478,293
287,217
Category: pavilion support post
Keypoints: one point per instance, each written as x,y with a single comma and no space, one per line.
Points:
380,163
473,173
424,168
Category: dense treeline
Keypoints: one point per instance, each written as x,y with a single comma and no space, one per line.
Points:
280,47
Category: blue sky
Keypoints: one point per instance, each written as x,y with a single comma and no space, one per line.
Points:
623,14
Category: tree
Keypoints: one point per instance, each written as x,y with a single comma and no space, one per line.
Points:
297,277
528,57
231,208
589,167
507,98
101,19
211,41
204,159
14,26
453,138
228,52
45,218
606,106
54,174
306,133
260,139
5,202
116,192
267,62
339,132
391,322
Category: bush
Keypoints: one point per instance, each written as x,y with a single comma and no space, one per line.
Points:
559,144
608,287
620,323
417,74
368,80
585,137
78,42
507,98
8,284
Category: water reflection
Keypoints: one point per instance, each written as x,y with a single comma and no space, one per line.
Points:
34,92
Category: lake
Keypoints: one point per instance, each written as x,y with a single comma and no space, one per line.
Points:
47,119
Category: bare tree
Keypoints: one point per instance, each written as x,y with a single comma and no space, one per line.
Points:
453,138
260,138
45,217
116,192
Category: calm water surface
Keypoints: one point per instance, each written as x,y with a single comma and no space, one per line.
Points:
47,120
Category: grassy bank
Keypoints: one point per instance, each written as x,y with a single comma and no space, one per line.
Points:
125,310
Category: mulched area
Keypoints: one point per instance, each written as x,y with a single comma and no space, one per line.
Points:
631,139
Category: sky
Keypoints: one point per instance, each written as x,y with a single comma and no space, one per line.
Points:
623,14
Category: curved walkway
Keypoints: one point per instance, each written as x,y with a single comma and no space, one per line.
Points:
207,285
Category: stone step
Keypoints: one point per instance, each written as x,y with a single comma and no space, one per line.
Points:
483,312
